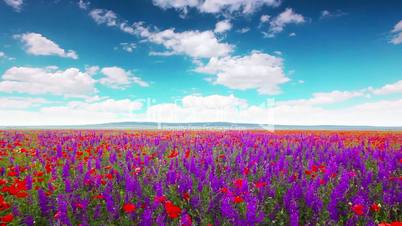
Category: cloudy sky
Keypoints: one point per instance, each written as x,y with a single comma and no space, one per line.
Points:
256,61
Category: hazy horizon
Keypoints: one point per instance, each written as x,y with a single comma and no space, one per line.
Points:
258,62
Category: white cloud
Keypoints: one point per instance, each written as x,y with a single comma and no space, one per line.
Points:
264,19
92,70
70,82
217,6
397,34
84,4
102,16
3,55
166,53
397,27
258,70
233,109
325,13
213,108
322,98
328,14
278,23
15,4
128,47
118,78
397,39
196,44
39,45
223,26
74,113
123,106
387,89
20,102
213,102
243,30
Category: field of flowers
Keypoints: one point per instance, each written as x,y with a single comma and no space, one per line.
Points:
94,177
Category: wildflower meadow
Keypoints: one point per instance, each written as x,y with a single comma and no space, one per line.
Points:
118,177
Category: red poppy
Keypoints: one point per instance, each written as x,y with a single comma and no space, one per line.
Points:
100,196
322,168
187,154
57,215
375,207
129,207
79,205
7,218
12,174
172,210
246,170
39,174
186,196
238,199
173,154
224,190
160,198
21,195
358,209
3,181
260,184
4,205
395,223
238,183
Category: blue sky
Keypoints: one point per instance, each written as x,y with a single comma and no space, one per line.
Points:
258,61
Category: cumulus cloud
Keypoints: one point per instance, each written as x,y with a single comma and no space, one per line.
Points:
122,106
118,78
223,26
213,108
84,5
15,4
243,30
328,14
3,55
194,43
102,16
20,102
233,109
257,70
396,33
285,18
263,20
128,47
213,102
38,45
73,113
217,6
387,89
70,82
322,98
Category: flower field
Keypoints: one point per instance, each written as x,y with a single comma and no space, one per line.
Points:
117,177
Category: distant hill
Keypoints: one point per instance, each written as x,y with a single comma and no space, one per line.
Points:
204,125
